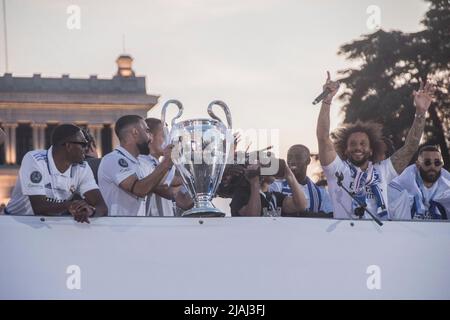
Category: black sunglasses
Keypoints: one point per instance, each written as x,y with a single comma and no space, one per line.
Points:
428,162
84,145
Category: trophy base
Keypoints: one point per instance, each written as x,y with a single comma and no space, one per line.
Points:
204,211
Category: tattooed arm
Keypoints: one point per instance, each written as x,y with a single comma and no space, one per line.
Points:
422,101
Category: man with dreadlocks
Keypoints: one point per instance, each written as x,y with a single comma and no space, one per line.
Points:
352,155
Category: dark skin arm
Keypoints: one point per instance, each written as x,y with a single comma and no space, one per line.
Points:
94,198
297,202
79,209
253,207
45,208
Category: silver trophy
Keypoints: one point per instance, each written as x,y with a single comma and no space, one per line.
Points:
200,153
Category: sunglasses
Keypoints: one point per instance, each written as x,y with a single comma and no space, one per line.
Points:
84,145
428,162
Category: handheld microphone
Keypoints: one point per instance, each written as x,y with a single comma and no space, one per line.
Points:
322,96
339,177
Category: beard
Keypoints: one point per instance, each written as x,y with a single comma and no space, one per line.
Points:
360,162
429,178
143,148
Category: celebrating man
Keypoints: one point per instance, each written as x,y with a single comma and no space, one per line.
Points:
261,202
351,156
422,191
125,180
317,198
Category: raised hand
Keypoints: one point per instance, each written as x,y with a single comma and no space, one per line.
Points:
333,86
167,155
424,97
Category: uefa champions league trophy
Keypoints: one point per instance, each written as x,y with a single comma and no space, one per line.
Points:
200,153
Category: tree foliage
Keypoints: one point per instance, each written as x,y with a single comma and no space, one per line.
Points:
391,63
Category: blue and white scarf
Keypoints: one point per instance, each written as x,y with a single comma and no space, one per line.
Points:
370,178
439,202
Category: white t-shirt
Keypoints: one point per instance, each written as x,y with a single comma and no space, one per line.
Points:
342,202
158,206
38,176
114,168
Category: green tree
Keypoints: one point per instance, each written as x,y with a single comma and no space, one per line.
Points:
391,64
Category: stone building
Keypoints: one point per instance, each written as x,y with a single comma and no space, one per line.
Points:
30,108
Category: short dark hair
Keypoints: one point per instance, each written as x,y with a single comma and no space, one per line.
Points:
301,148
124,122
429,148
153,124
63,132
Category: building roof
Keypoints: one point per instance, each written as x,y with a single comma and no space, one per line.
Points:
65,84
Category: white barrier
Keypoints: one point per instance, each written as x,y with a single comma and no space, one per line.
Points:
222,258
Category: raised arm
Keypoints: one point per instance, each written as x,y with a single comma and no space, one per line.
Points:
422,100
142,187
327,153
297,202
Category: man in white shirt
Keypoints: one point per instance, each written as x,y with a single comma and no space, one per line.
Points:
125,180
161,202
49,180
317,198
351,156
422,191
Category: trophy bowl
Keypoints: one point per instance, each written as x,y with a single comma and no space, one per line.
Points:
200,153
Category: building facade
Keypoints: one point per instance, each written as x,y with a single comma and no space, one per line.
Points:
31,107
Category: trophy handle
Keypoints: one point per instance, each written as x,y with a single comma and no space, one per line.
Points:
224,108
164,110
163,118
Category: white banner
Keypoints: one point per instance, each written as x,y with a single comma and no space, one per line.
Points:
222,258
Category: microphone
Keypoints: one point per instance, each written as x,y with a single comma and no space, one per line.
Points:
362,207
340,177
322,96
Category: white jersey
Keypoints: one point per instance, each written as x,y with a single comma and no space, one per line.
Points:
38,176
114,168
410,199
158,206
342,202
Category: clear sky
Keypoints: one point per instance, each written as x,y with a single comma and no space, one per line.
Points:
265,58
